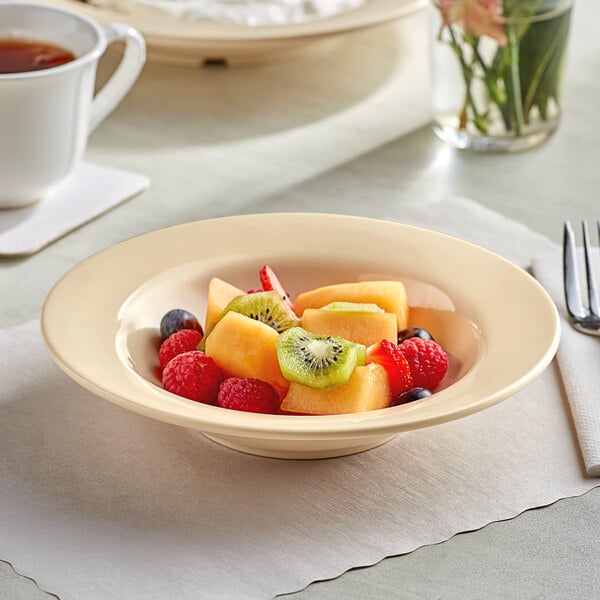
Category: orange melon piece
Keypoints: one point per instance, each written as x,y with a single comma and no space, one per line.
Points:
367,389
220,294
389,295
361,327
244,347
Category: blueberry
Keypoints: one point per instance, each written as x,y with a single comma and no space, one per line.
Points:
410,396
177,319
412,332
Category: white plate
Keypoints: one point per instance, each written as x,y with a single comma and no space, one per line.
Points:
100,320
175,41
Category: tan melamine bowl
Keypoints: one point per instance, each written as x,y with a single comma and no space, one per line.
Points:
100,320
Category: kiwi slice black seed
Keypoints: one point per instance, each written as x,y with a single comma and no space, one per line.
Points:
317,361
266,307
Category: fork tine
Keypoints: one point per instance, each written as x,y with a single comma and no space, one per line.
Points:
589,271
571,279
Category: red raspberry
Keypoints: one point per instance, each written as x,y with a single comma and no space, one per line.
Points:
193,375
388,355
248,394
428,361
179,342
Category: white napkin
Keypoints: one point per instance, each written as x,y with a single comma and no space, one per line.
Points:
88,192
579,361
97,502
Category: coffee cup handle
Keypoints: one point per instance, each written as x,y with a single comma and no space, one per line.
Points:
128,70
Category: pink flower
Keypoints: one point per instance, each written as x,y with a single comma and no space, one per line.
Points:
480,17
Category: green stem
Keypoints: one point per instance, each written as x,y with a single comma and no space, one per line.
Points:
478,119
515,91
490,78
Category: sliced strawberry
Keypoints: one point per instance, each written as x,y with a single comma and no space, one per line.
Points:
387,354
270,282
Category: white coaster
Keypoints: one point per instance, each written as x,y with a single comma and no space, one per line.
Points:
88,192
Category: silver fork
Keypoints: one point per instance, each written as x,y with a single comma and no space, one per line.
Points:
585,319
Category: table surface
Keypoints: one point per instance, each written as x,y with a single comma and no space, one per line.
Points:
347,131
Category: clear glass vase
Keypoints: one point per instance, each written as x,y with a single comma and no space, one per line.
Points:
497,69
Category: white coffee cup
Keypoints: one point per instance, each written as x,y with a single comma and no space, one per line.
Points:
47,115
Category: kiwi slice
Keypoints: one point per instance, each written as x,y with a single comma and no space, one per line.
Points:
317,361
353,307
267,307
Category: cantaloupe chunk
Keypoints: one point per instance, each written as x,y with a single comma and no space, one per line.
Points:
367,389
361,327
244,347
389,295
220,294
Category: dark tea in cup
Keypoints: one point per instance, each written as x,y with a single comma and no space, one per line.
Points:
20,56
49,98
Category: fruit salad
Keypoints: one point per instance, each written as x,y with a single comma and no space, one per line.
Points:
337,349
